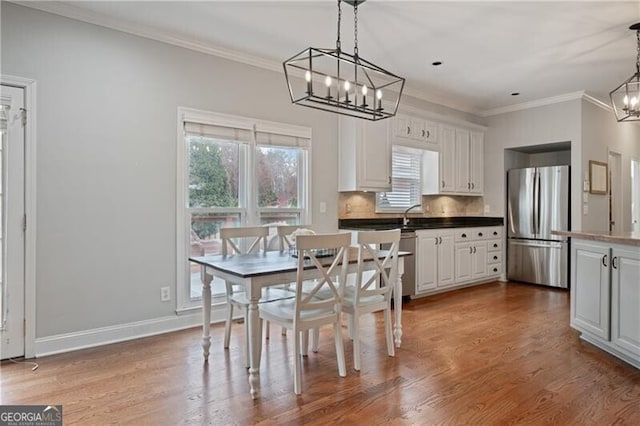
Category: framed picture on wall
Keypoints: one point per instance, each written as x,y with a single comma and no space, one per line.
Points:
598,173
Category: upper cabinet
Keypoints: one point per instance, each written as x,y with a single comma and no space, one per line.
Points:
364,155
416,132
458,168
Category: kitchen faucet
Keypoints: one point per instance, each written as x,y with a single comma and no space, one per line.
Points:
405,220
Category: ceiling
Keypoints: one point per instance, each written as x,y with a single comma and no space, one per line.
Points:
489,50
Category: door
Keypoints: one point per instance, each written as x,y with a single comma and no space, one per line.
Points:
553,201
615,192
479,261
12,220
462,161
448,159
521,203
374,159
476,162
428,261
462,262
590,293
537,262
446,253
625,294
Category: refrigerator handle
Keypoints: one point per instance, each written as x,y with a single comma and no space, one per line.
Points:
535,199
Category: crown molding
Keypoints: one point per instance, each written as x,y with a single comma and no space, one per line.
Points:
547,101
79,14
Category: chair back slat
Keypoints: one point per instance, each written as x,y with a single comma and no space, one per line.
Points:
284,234
385,274
332,276
254,236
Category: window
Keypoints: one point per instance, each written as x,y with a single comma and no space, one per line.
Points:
406,176
234,171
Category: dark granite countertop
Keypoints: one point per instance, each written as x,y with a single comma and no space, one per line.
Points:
417,223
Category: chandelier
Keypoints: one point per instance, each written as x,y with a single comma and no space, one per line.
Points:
335,81
625,99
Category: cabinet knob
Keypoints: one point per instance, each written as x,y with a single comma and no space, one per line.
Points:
495,232
479,234
389,180
604,260
468,185
495,269
473,185
495,245
443,184
428,134
464,235
423,133
470,250
495,257
613,262
408,130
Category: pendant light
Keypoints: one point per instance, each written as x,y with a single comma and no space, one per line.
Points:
336,81
625,99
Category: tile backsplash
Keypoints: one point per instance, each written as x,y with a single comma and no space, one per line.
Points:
362,205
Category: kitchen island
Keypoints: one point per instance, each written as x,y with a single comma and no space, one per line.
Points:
605,290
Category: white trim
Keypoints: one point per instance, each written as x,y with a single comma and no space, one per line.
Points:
80,14
163,36
537,103
122,332
29,86
597,102
441,118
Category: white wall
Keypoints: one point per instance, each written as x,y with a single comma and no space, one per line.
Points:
601,133
106,169
535,126
107,114
592,131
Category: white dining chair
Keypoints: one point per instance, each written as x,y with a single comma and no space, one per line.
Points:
247,239
284,232
305,311
372,291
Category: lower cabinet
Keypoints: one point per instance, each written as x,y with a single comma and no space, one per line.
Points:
447,258
605,296
435,265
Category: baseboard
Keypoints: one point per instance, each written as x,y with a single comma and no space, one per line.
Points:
119,333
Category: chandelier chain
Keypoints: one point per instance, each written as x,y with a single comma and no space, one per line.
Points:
638,54
339,21
355,29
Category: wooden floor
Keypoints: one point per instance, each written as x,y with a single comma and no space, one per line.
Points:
493,354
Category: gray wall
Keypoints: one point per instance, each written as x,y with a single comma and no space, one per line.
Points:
592,132
106,159
536,126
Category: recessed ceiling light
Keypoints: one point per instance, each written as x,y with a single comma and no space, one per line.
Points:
436,63
515,94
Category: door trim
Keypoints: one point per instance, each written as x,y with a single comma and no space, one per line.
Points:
29,86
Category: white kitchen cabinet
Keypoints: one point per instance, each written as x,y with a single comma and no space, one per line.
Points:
625,298
470,261
447,163
460,165
605,296
415,132
364,155
434,259
590,292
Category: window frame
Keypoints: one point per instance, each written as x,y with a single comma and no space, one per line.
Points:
406,150
250,213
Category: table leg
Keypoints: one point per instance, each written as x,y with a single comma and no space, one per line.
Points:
255,345
397,306
206,311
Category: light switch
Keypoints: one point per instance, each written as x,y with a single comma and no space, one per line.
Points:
487,209
323,207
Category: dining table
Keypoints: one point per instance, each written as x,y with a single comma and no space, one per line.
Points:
254,271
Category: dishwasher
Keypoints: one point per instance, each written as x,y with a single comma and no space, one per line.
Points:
408,243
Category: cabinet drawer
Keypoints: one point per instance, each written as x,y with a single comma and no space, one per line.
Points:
494,245
494,257
494,269
463,234
487,232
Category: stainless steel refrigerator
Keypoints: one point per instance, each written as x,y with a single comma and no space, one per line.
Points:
537,203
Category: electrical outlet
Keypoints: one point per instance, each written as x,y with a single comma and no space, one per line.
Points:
165,294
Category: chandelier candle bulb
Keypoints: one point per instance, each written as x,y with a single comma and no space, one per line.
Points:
364,96
307,76
327,81
347,86
379,98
